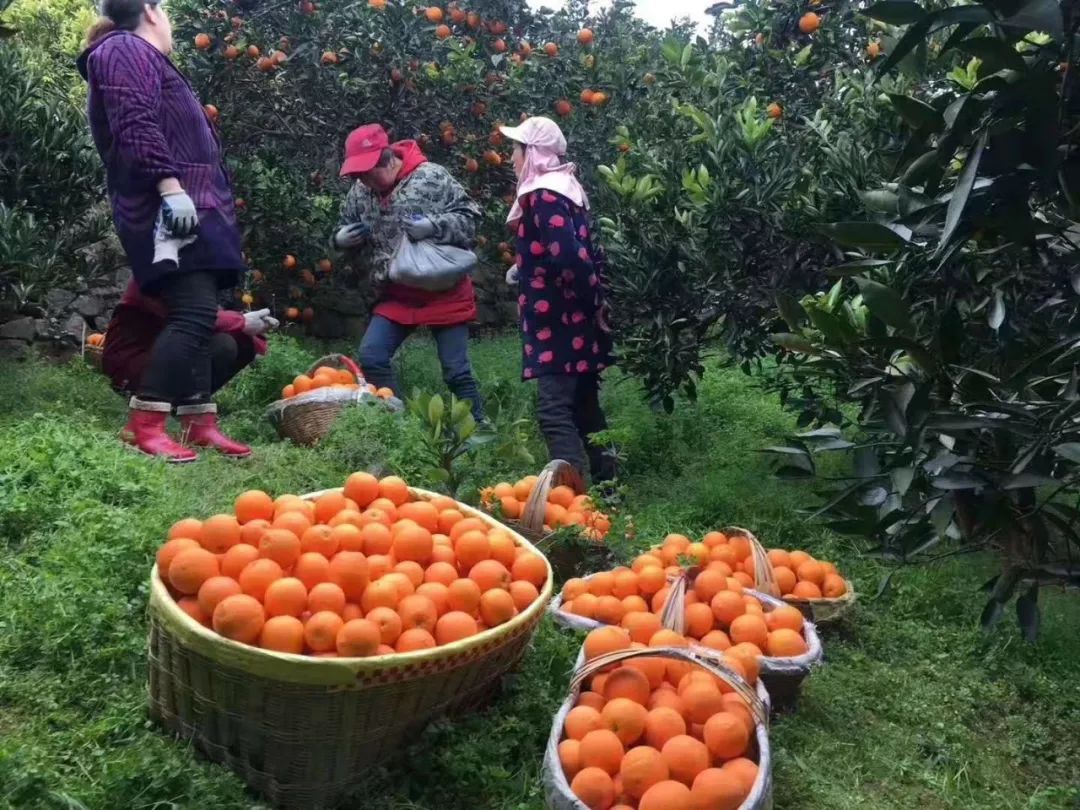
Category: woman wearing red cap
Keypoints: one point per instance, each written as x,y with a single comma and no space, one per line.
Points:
400,193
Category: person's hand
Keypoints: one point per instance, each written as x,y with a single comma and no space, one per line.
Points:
178,214
351,236
259,322
512,275
419,228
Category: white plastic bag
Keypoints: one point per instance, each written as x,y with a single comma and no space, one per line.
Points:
430,266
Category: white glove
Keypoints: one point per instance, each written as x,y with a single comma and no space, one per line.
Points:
259,322
512,275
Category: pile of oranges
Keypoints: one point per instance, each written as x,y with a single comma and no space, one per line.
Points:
334,378
564,507
716,611
363,571
799,575
658,733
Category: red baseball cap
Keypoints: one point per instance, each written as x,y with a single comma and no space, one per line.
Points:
363,148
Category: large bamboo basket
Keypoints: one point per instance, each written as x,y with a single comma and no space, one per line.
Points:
557,787
825,609
307,418
568,559
303,731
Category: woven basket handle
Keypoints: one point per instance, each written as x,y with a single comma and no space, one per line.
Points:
556,473
764,580
337,359
697,654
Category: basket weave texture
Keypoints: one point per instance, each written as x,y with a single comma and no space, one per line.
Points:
557,787
305,419
303,731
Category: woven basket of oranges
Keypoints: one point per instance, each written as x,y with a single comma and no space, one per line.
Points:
815,587
257,658
94,348
553,510
659,728
311,404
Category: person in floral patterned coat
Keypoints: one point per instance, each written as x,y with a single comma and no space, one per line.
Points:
562,297
399,192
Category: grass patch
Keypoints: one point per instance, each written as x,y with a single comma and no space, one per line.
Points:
915,706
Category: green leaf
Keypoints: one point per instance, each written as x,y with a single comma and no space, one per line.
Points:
960,194
1027,481
1070,451
885,303
868,235
1027,613
896,12
913,37
995,54
794,343
793,314
958,481
918,115
1038,15
435,410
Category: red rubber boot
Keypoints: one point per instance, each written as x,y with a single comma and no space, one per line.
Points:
145,431
200,429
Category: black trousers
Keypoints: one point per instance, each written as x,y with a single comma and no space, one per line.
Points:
180,370
568,410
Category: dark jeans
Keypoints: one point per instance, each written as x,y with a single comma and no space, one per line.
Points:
382,340
180,370
568,410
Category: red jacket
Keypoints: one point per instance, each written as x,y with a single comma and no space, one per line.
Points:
411,306
134,327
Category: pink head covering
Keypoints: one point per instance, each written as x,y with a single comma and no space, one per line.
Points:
545,147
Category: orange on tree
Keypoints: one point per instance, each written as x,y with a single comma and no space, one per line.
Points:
774,110
809,22
443,32
329,58
551,49
433,14
202,41
585,36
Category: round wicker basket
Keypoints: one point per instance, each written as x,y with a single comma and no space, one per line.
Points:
568,558
93,355
303,731
305,419
825,609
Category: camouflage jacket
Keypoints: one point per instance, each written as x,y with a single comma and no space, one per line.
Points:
430,191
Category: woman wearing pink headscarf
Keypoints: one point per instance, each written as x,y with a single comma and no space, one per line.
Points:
562,297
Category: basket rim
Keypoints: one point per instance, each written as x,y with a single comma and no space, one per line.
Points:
329,671
824,601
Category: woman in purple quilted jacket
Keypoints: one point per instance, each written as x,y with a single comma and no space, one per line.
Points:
173,210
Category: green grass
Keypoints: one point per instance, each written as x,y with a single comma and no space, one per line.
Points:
914,707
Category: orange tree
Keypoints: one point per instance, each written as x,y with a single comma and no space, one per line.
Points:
287,81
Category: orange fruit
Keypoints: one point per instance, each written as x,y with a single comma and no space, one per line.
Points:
668,638
422,513
326,597
311,569
252,531
220,533
282,634
581,720
190,606
358,638
448,518
668,699
686,758
716,640
585,36
594,788
806,590
454,626
531,568
641,768
190,568
623,716
471,547
727,606
784,616
394,490
667,795
573,588
778,557
418,611
254,505
602,584
378,539
281,546
584,605
352,611
433,14
467,525
661,724
464,595
349,570
496,607
320,631
626,584
239,617
593,700
329,504
414,640
413,543
797,558
726,736
294,521
809,571
717,789
651,579
629,683
363,488
523,593
809,22
388,622
440,572
285,597
503,549
167,553
785,643
570,757
744,770
237,558
602,749
562,496
605,640
833,586
345,537
709,583
785,579
214,590
749,628
489,574
699,620
551,49
702,701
